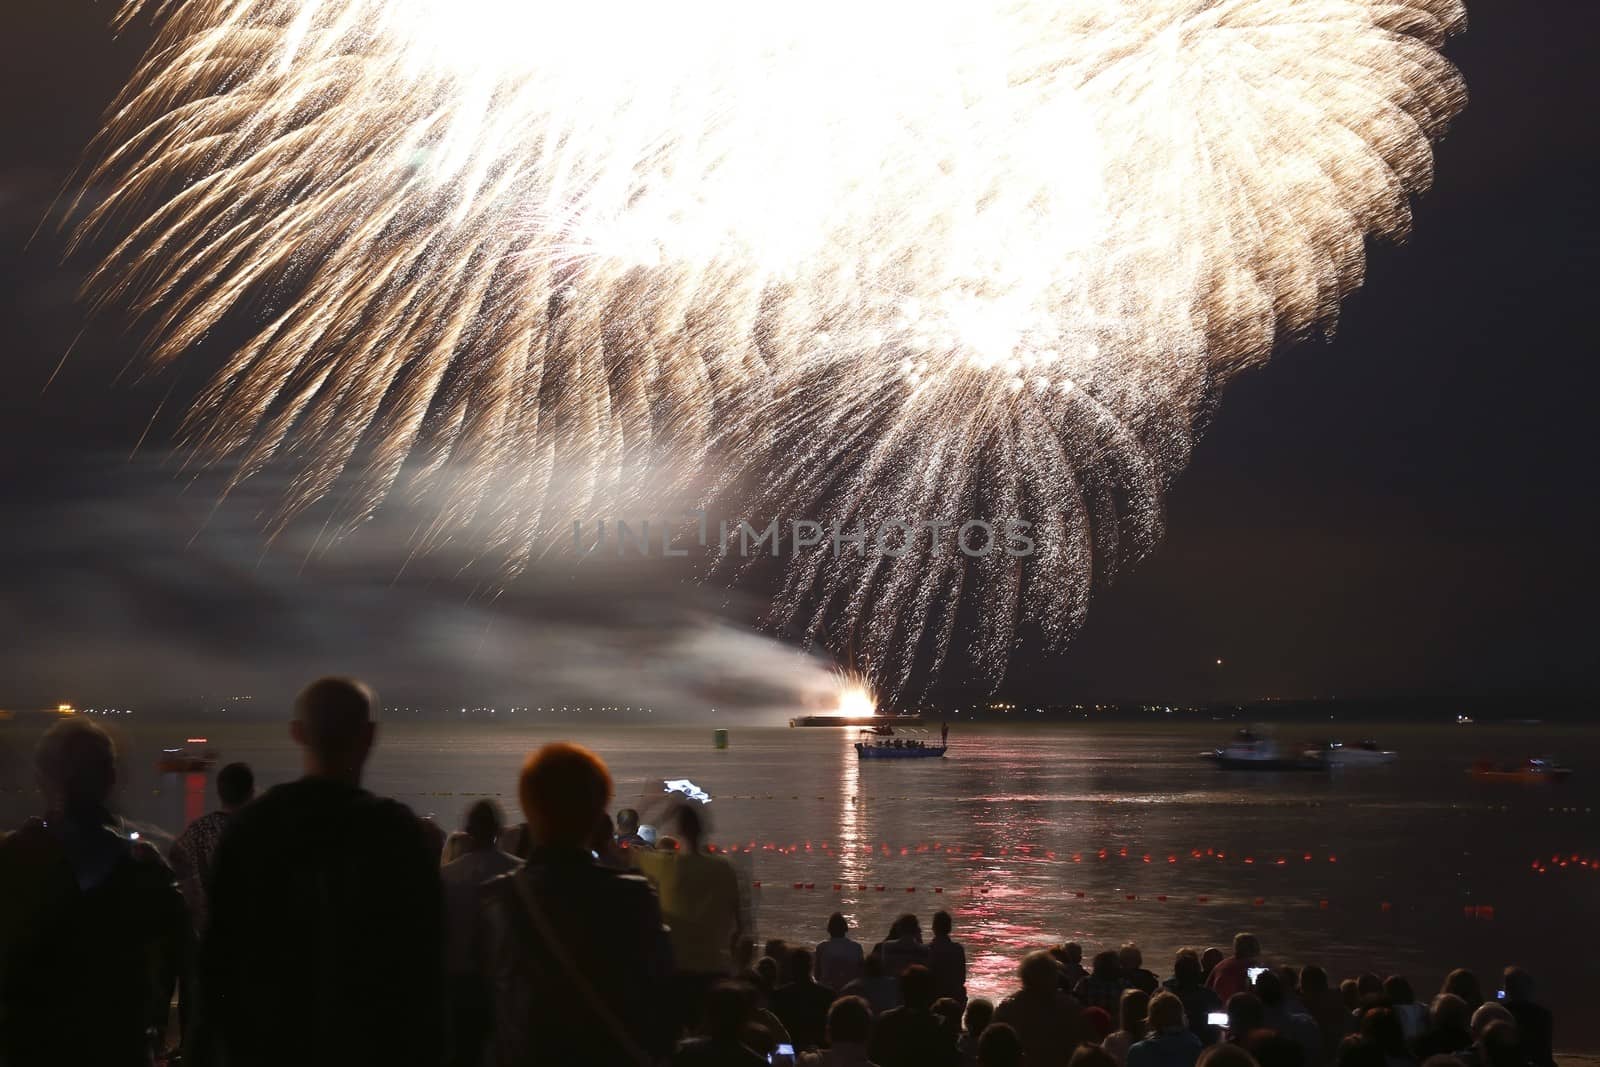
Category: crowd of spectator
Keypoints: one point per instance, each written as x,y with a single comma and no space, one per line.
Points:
316,924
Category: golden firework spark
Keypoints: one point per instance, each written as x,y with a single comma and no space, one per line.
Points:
899,260
855,697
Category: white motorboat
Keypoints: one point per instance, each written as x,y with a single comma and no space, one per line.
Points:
1252,751
1364,754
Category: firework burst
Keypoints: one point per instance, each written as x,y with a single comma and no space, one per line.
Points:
864,261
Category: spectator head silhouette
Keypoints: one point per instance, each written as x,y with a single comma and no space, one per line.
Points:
916,987
1464,984
1269,987
980,1012
1396,990
849,1022
728,1006
837,925
999,1047
691,823
1313,980
236,784
800,961
941,924
1133,1009
1246,946
1518,985
1381,1026
1245,1014
1186,968
1486,1016
1449,1012
333,726
1038,973
627,821
76,763
1087,1055
484,823
1500,1045
564,789
1166,1012
1130,958
1223,1054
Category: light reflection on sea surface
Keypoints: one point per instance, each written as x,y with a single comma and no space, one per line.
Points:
1421,836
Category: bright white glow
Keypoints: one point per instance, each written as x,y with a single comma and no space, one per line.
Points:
881,259
856,701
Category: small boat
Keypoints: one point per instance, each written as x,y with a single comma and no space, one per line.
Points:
186,761
1250,751
1464,720
871,747
1364,754
1531,770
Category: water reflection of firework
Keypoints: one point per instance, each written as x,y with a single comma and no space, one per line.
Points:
865,260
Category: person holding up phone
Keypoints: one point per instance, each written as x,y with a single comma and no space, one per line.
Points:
1200,1004
1233,975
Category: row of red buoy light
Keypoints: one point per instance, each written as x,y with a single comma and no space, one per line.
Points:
1469,911
1025,852
1560,862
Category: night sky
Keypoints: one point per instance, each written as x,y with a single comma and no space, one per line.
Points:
1407,509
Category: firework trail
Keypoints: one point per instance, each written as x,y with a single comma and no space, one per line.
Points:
857,261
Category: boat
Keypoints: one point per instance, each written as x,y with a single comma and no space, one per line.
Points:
1251,751
187,761
1363,754
1542,769
874,745
1464,720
